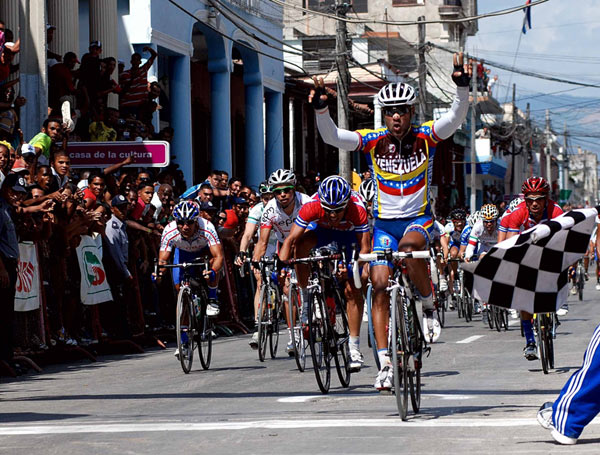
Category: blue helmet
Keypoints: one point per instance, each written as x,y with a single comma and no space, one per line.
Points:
186,211
334,192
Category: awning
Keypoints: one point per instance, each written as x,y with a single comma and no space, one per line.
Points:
489,169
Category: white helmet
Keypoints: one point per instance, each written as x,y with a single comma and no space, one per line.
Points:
514,203
367,190
473,218
397,94
282,176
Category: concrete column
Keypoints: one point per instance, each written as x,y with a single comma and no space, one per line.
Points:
34,75
378,120
181,116
64,15
255,146
103,28
220,128
274,149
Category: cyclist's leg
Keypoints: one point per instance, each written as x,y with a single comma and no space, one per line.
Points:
303,246
529,352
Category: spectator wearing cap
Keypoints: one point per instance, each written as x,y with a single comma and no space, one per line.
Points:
116,236
42,142
61,83
53,58
134,83
236,216
207,210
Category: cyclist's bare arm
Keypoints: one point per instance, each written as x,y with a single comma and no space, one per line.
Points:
249,231
364,240
461,251
216,251
261,246
288,246
444,242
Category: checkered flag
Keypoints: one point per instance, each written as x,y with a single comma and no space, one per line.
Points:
529,271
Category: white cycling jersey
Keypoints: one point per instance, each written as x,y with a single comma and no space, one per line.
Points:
437,230
254,217
480,235
275,218
205,236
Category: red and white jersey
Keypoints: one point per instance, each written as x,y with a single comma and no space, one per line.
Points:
275,218
355,218
519,218
205,236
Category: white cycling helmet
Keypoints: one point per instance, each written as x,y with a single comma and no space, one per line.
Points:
489,212
514,203
473,218
282,176
367,190
397,94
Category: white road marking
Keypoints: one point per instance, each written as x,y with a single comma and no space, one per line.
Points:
470,339
299,399
448,396
261,424
514,322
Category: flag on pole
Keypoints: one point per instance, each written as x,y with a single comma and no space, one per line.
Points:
529,272
527,18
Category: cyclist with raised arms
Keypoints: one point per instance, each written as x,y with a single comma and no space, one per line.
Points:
340,216
400,158
190,237
279,216
536,208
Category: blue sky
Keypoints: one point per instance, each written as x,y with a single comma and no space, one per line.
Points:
563,43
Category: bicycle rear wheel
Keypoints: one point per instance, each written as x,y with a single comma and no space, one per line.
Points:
442,302
185,329
274,325
497,319
205,335
467,306
414,368
398,344
263,322
504,318
341,336
580,285
318,340
549,339
297,334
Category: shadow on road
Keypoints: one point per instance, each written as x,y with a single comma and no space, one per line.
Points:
12,417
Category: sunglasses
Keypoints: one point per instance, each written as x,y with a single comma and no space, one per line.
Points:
334,210
186,222
534,198
401,110
489,221
280,191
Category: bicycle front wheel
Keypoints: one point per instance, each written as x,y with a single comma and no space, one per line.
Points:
398,344
319,341
341,336
185,329
541,342
369,303
274,326
415,359
297,334
263,322
205,336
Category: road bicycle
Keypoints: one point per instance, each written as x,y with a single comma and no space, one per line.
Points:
406,342
270,308
194,328
440,296
580,278
328,332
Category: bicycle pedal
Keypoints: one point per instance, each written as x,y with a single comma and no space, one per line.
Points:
427,350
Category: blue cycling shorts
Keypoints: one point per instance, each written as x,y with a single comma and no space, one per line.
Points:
337,240
180,256
388,233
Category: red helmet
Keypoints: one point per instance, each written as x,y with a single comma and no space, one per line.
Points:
535,185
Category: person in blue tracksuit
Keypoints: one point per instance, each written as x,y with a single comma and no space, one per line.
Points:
578,402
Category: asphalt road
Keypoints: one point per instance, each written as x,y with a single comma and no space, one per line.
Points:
478,397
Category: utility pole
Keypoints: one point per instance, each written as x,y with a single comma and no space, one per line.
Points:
528,126
343,83
548,148
565,182
513,152
473,204
422,71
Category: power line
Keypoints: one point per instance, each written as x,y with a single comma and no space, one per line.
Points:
403,23
240,43
522,72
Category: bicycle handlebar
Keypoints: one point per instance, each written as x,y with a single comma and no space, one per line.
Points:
385,255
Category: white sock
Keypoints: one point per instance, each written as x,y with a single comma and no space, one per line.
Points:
290,333
384,358
427,302
354,343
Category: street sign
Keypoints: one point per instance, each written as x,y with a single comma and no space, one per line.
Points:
104,154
